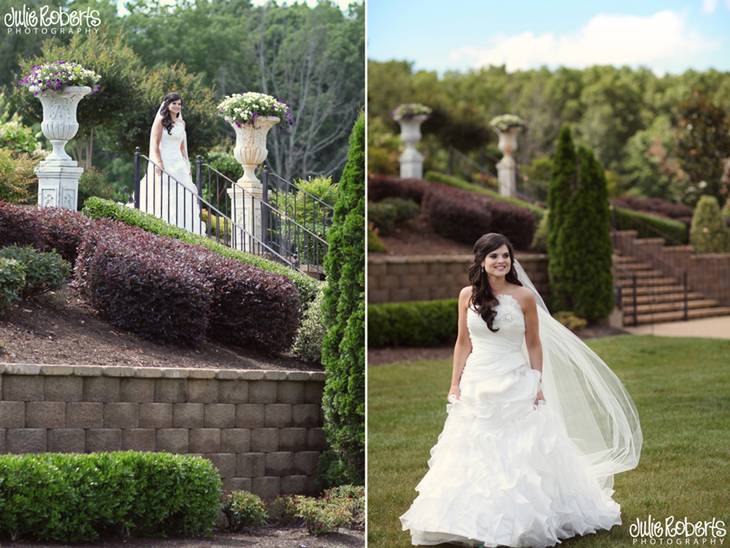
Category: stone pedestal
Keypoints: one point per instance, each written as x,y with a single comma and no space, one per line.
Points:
58,185
507,167
246,214
411,161
507,176
58,175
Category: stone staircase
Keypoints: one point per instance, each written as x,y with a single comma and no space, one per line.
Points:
658,296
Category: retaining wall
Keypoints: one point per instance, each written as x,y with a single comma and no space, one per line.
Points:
261,429
393,278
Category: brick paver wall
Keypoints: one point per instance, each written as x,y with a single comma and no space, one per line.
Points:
429,277
261,429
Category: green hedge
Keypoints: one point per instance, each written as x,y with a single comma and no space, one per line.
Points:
416,323
450,180
650,226
98,208
80,497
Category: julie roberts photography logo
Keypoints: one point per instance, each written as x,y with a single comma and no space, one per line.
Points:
51,20
673,531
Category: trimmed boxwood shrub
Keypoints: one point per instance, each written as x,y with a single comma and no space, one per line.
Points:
381,187
417,323
464,216
79,497
98,208
12,282
137,282
45,229
308,342
388,213
44,271
658,206
648,225
709,232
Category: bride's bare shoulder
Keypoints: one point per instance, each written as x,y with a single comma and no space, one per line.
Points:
524,296
465,294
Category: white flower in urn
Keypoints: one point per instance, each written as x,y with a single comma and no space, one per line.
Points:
408,111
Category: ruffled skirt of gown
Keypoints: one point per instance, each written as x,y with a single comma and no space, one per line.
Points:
504,473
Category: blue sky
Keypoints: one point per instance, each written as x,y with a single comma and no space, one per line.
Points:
666,36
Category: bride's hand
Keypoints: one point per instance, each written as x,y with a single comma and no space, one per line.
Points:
539,397
454,391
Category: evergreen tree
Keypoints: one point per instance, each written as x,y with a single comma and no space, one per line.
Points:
561,185
579,243
343,348
709,233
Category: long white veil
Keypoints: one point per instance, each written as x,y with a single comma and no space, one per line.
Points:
597,412
152,193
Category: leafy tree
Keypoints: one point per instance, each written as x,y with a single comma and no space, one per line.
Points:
703,143
343,349
202,124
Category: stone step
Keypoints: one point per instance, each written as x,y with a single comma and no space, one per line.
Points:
640,274
677,316
627,297
650,308
649,241
633,265
653,290
645,282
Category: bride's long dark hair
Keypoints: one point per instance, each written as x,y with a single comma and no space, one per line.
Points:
165,111
482,297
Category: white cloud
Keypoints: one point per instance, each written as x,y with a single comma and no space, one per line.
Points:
657,40
708,6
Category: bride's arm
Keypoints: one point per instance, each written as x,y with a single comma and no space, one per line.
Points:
156,138
532,334
462,348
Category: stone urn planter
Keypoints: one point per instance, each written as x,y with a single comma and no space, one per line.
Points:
58,175
411,161
250,150
247,194
59,123
508,127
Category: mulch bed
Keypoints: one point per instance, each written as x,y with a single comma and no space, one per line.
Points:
416,237
61,328
267,537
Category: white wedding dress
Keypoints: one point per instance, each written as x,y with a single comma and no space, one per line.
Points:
504,472
172,196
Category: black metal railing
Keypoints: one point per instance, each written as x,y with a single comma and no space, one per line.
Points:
183,205
288,219
676,275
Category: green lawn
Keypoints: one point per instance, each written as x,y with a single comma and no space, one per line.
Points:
682,391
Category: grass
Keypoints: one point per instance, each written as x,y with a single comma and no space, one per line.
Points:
681,387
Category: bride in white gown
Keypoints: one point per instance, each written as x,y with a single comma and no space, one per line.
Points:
537,423
167,191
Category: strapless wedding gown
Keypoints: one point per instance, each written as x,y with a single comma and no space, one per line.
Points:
503,471
172,198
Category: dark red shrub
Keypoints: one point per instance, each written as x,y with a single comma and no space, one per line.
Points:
45,229
465,216
383,186
138,283
456,217
251,306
